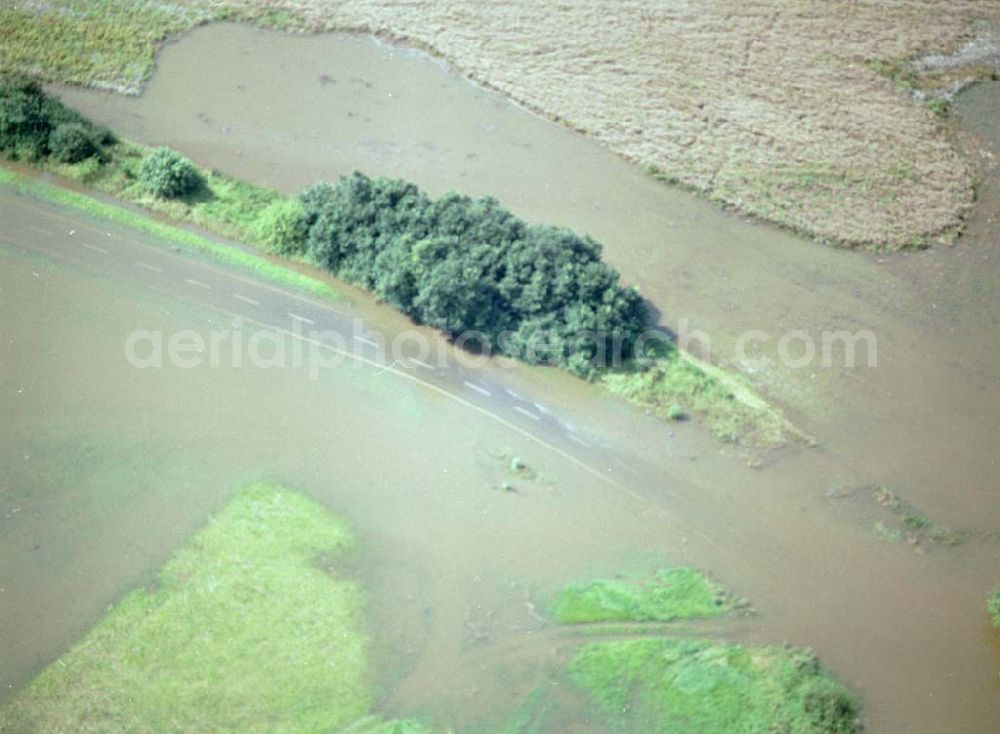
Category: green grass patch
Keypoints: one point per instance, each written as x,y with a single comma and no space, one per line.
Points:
106,43
993,605
899,71
111,44
639,675
248,628
677,384
227,254
710,687
672,594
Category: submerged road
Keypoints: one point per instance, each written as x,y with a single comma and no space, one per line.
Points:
335,328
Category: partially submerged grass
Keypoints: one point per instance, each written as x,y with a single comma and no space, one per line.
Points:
640,679
711,687
249,628
108,43
672,594
111,44
227,254
895,520
908,523
677,384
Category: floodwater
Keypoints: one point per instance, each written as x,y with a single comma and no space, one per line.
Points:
907,629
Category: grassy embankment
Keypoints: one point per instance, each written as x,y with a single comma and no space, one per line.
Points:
185,238
674,386
993,604
248,628
642,681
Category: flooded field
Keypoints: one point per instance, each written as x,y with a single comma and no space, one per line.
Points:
909,630
107,469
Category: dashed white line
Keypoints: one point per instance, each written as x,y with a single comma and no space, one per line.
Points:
40,230
403,374
303,319
95,248
252,302
577,439
422,363
528,413
477,388
147,266
364,340
197,283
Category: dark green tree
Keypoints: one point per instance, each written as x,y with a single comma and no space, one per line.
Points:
469,265
72,142
24,125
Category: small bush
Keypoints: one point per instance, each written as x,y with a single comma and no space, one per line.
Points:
829,707
280,227
168,174
916,521
58,114
72,142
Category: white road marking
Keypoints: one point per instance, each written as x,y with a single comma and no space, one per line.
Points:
422,363
95,248
364,340
577,439
477,388
528,413
40,230
252,302
197,283
155,269
303,319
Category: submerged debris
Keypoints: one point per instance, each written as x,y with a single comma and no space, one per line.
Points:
893,519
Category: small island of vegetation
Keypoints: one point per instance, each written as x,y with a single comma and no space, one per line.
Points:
469,267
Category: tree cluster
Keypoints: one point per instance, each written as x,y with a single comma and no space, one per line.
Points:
34,125
469,266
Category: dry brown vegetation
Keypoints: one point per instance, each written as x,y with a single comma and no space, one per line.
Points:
781,110
772,108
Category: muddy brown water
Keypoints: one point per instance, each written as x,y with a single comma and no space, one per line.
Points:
908,630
